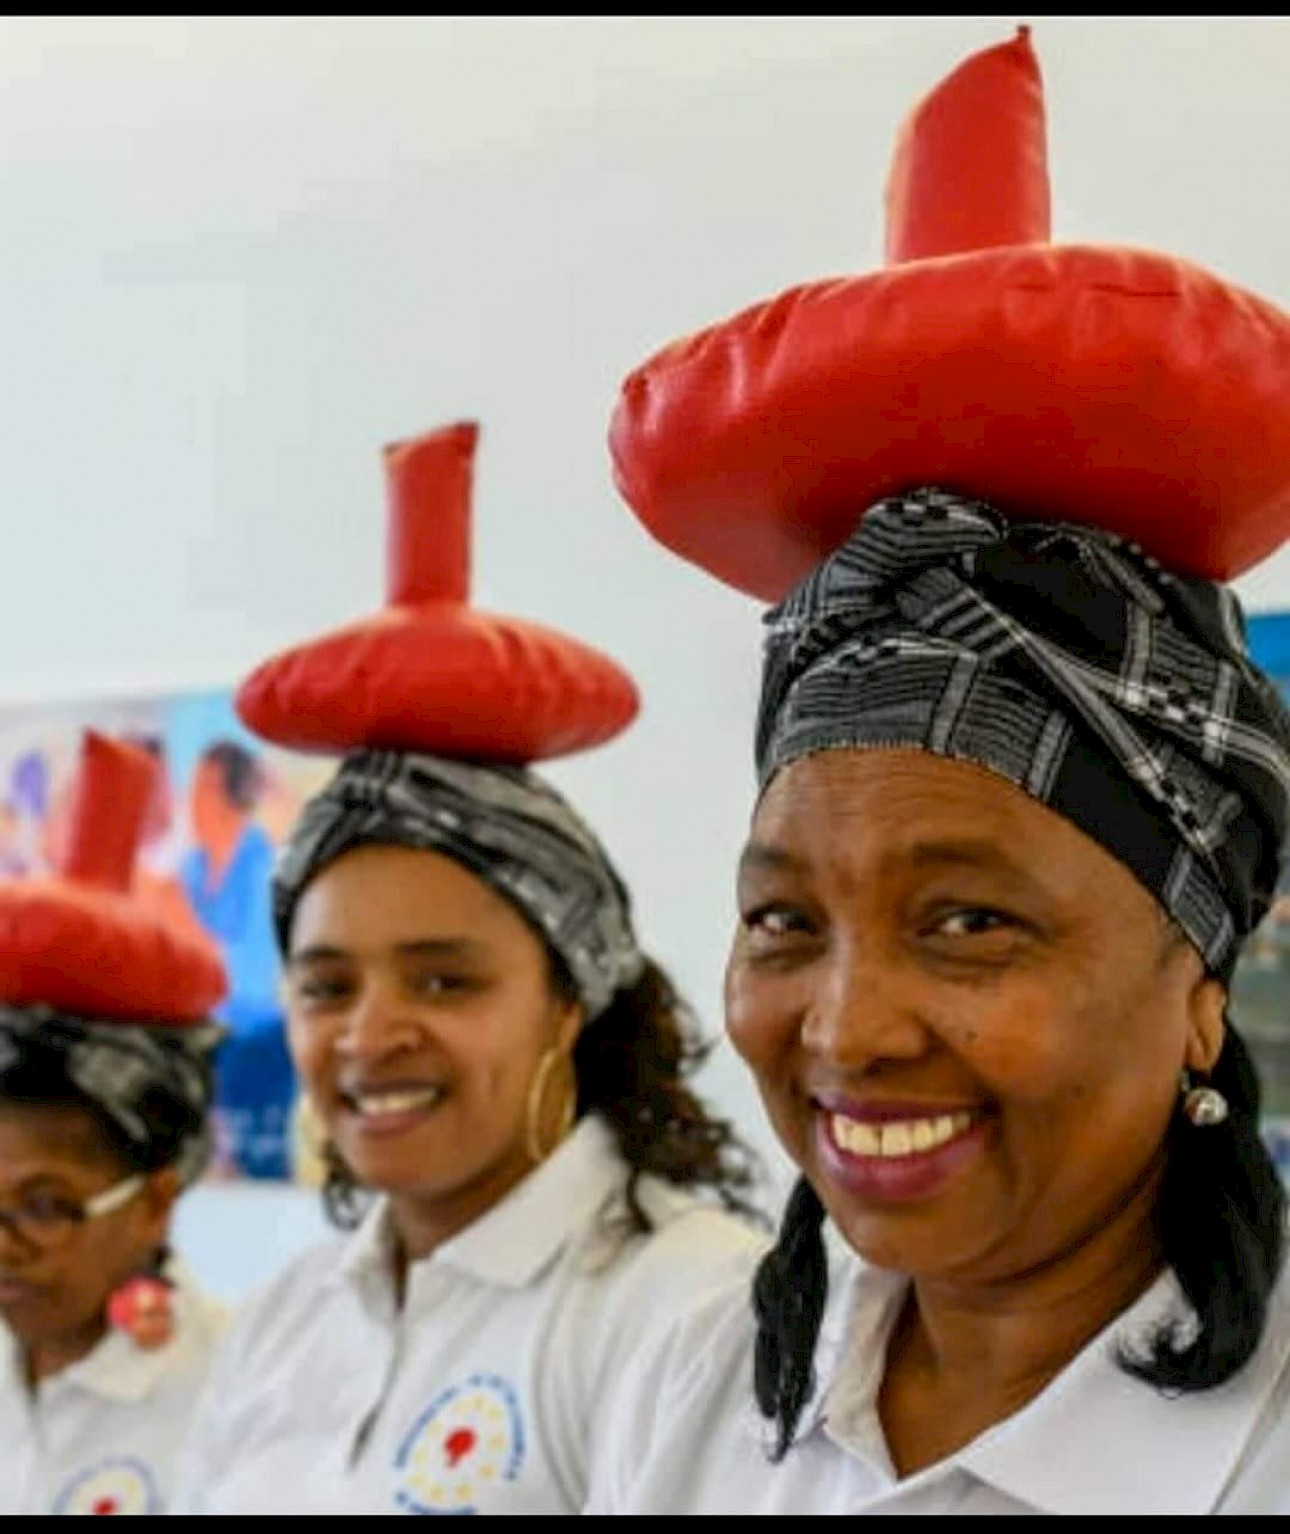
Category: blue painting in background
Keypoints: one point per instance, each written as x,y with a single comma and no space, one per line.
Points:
1261,986
1269,636
225,875
225,802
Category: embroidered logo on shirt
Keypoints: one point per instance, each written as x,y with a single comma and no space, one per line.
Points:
469,1438
113,1486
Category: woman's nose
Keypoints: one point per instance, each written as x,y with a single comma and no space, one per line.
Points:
861,1010
15,1248
379,1023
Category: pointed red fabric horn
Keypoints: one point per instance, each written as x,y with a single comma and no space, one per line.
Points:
429,672
113,789
429,485
1095,384
970,170
79,941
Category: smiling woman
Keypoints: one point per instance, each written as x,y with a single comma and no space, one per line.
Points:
498,1068
1022,797
996,1049
1048,1016
390,932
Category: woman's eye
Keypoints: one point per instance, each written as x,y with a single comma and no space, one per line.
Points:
776,921
47,1208
438,984
972,921
320,990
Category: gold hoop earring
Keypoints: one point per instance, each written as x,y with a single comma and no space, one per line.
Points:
533,1110
308,1139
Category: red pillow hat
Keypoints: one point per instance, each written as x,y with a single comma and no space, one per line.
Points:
79,942
1090,384
438,711
429,672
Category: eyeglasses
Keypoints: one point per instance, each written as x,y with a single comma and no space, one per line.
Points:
47,1222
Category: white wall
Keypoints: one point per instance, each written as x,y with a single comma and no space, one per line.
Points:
237,1236
239,254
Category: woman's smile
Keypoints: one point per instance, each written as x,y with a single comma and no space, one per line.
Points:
889,1152
391,1108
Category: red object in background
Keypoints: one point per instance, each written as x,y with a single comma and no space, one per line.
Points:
143,1308
1102,385
80,941
429,672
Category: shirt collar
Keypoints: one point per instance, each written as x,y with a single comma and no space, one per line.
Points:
1095,1441
512,1243
1132,1448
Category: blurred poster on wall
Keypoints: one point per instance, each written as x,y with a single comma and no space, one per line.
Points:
1261,986
225,803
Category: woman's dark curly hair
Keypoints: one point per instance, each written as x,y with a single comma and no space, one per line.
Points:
631,1065
1222,1221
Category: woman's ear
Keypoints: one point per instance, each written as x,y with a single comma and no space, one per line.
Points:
569,1023
158,1197
1207,1018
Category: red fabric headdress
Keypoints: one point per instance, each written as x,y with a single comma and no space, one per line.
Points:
1122,388
79,941
429,673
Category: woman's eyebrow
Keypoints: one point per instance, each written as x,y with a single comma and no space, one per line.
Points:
438,948
411,948
766,857
42,1182
975,851
316,953
974,854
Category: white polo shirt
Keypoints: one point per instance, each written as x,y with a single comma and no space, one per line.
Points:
104,1434
487,1389
686,1436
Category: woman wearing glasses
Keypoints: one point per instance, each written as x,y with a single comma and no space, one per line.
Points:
105,1085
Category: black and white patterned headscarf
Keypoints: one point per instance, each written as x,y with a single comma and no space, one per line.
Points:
153,1081
503,824
1067,661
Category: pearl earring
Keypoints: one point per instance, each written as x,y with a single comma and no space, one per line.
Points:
1204,1106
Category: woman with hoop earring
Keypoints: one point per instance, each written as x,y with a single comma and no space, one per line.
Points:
497,1069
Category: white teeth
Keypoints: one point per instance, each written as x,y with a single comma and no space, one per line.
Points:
375,1104
896,1138
861,1139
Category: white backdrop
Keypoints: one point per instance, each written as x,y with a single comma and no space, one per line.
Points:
239,254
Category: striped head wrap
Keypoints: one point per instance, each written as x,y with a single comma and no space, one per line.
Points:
505,825
1069,662
154,1082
